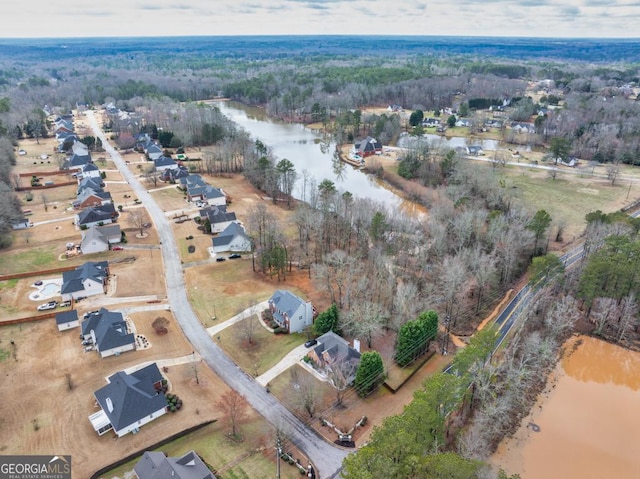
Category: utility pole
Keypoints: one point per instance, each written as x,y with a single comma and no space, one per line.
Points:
445,339
278,453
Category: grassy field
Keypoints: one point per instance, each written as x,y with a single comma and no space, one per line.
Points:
251,459
267,351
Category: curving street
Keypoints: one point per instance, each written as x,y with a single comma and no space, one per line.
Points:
326,457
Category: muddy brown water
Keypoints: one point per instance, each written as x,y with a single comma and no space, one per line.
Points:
588,419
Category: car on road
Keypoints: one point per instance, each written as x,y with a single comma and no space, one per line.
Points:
47,306
235,256
64,304
311,342
220,258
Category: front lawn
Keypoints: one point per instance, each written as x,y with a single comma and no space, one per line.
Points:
248,459
268,348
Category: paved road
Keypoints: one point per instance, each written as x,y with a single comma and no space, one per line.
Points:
326,457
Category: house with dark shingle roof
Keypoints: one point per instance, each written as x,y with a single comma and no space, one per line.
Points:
232,238
90,197
90,170
152,151
129,401
95,184
109,333
77,161
218,217
164,163
155,465
332,350
67,320
96,216
291,312
367,147
172,175
88,279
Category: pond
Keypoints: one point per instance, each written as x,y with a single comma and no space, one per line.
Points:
587,418
307,150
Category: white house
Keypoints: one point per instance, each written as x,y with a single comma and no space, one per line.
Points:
129,401
98,239
88,279
291,312
233,238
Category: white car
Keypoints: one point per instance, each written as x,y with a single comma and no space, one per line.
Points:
47,306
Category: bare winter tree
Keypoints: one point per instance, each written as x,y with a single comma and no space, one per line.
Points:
628,317
138,218
305,391
365,319
340,375
248,326
235,408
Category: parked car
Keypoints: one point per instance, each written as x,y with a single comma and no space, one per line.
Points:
47,306
235,256
38,283
220,258
311,342
86,315
64,304
117,248
87,342
88,348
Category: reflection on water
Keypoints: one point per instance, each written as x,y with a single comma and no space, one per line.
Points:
588,418
307,150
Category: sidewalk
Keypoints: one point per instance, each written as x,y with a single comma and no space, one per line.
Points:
189,358
257,309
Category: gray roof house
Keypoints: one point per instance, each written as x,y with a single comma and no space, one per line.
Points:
153,151
95,184
77,161
164,162
86,280
291,312
333,349
91,197
20,223
218,217
475,150
67,320
109,333
155,465
96,216
98,239
90,170
129,401
232,238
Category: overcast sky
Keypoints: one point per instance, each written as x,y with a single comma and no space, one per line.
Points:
546,18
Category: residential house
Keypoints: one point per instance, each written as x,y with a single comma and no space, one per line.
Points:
77,161
173,175
129,401
142,140
218,217
20,224
291,312
233,238
89,197
155,465
95,184
523,127
367,147
90,170
99,239
109,332
164,162
331,351
464,122
67,320
88,279
96,216
197,189
79,148
153,152
65,137
474,150
431,122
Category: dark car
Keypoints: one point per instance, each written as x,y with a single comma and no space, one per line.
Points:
220,258
235,256
38,283
311,342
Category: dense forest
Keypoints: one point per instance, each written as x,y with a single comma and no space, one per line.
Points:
383,269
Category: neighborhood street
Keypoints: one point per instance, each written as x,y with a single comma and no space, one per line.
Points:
326,457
